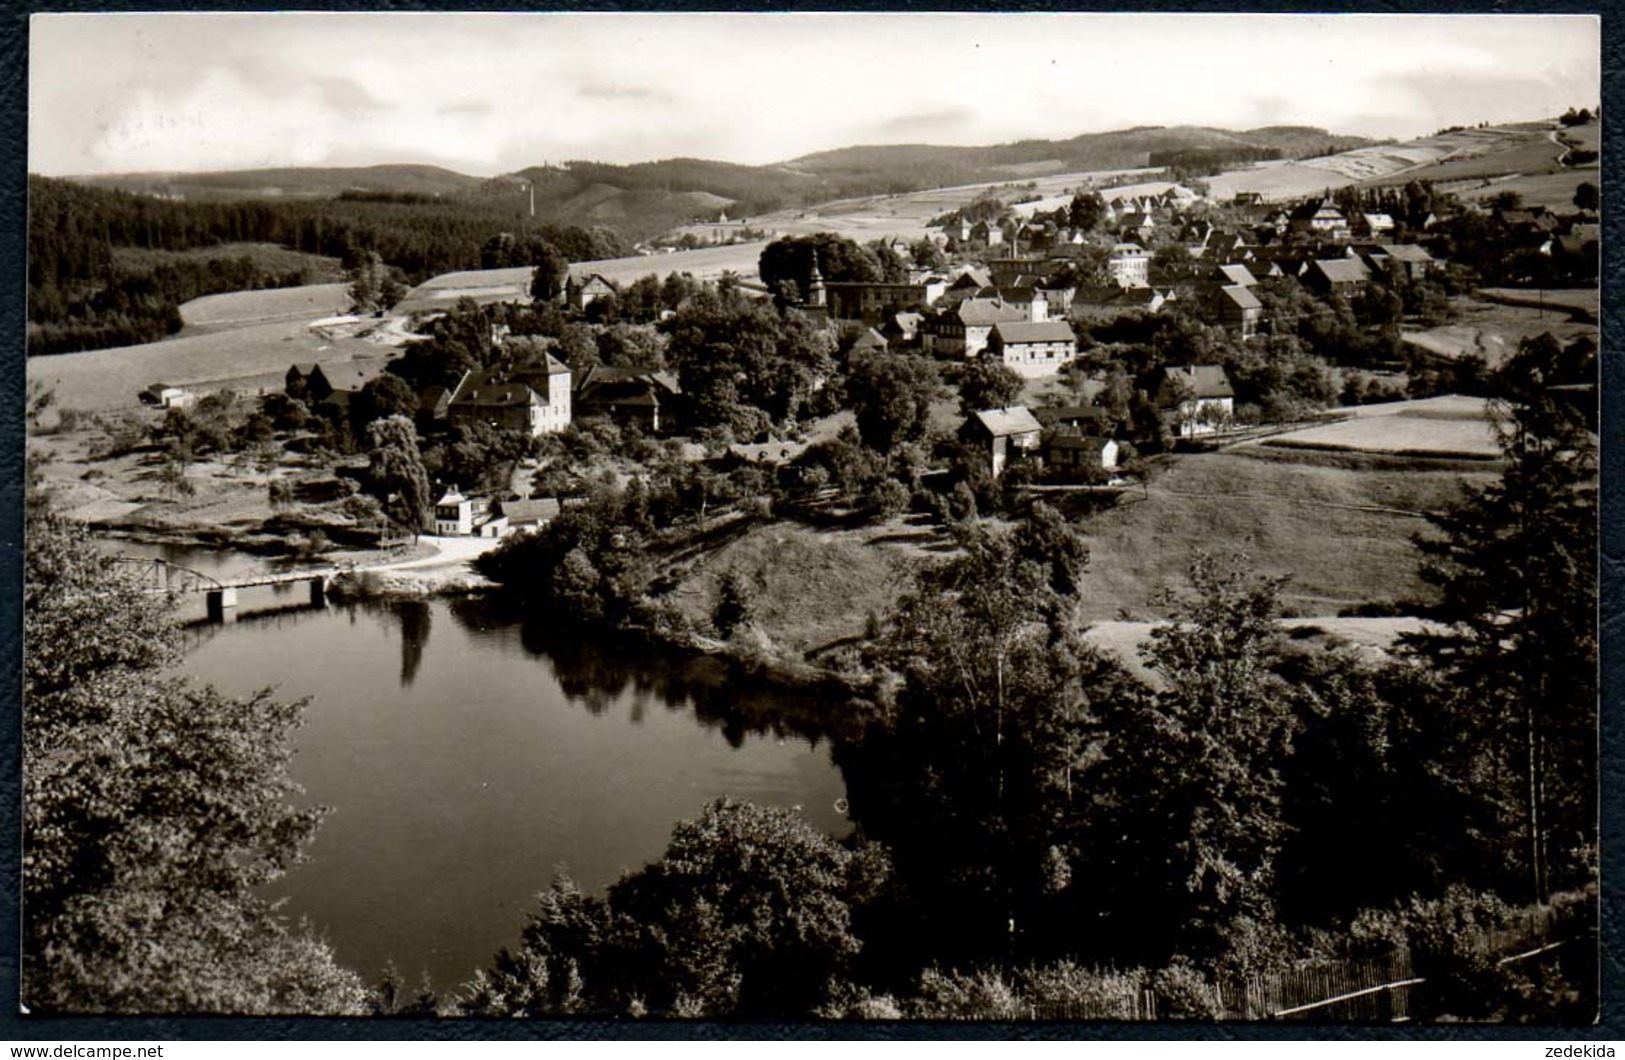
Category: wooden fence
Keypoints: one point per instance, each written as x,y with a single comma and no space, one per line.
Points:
1353,990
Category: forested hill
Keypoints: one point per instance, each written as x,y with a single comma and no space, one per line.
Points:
87,291
1121,149
290,183
647,198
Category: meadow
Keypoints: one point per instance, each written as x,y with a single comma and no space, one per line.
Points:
1450,427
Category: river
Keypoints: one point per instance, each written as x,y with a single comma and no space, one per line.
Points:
466,752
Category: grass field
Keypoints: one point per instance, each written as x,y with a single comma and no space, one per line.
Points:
1493,331
268,256
1373,638
813,589
493,285
284,303
247,358
1555,191
1342,534
1444,426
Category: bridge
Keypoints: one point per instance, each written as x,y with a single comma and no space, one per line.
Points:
162,576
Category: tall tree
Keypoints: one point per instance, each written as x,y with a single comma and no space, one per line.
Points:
1190,821
891,394
154,810
552,271
988,384
1515,564
398,476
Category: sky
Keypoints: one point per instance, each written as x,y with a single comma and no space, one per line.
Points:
493,93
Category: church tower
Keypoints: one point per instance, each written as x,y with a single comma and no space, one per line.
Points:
815,285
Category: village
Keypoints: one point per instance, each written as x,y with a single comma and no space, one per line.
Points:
1115,328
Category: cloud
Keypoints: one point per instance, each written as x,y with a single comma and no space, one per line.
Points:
479,108
343,94
925,122
631,92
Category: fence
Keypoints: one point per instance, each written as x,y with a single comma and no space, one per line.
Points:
1353,990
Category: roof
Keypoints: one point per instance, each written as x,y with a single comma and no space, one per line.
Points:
979,277
869,340
451,496
1071,413
1406,252
1343,270
1001,423
1034,331
537,511
494,390
1092,442
1205,380
976,312
352,375
1238,274
1129,250
1241,296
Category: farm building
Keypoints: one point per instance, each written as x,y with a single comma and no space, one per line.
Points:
1005,434
963,331
1196,398
628,395
1238,309
510,401
1081,453
1033,348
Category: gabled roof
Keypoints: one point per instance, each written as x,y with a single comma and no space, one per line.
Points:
352,375
1406,252
1001,423
1087,442
1342,270
532,511
1034,331
1240,296
1071,414
1204,380
492,389
869,340
977,277
979,312
1237,274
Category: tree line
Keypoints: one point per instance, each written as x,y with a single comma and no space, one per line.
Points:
81,297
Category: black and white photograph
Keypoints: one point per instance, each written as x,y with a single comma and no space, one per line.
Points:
822,518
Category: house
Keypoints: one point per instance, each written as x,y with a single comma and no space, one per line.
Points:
1006,434
963,331
1327,276
1033,301
871,341
1033,348
1129,265
1197,398
1093,305
628,395
1373,224
1415,260
1080,453
903,329
1238,309
317,384
870,302
535,399
1248,198
168,397
1319,218
986,233
454,514
581,293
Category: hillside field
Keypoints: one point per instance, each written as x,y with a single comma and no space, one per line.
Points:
1342,534
247,358
1450,427
283,303
1493,331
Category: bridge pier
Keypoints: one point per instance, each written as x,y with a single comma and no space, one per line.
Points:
318,591
222,604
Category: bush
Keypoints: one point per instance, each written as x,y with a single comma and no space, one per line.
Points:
1183,993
